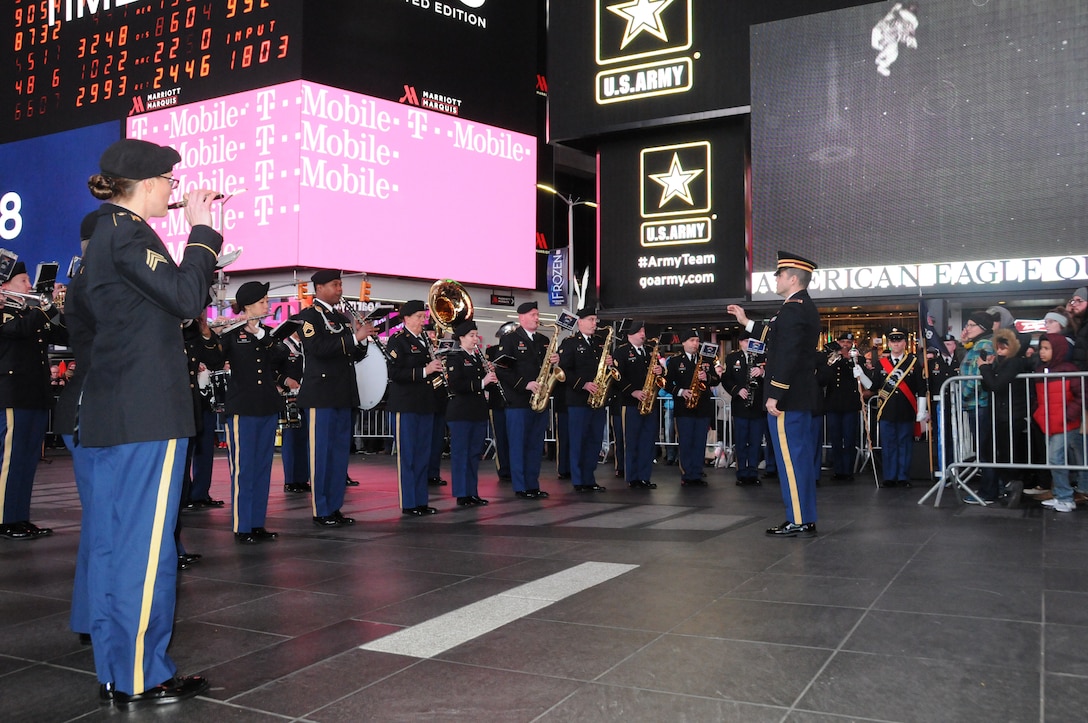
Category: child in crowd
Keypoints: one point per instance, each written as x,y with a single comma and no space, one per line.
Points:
1057,411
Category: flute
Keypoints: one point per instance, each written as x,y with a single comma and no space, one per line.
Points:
182,203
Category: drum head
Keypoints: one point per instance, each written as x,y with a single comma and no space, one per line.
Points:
372,377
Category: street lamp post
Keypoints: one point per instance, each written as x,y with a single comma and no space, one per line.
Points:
571,202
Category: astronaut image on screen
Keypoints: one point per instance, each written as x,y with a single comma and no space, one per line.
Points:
898,26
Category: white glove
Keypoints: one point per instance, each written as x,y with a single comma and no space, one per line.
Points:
860,375
923,410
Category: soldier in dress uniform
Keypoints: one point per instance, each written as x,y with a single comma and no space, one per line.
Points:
202,351
296,463
901,392
791,390
525,429
639,430
26,395
136,416
579,358
414,373
467,412
691,424
743,380
438,428
842,405
332,343
496,405
259,366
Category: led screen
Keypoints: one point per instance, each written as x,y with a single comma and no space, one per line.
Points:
899,133
672,218
324,177
43,193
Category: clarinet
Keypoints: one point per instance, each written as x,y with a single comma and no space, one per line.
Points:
489,368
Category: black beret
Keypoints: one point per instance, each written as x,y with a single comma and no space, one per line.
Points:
18,268
250,293
686,334
636,327
526,307
848,335
464,328
586,311
412,307
324,276
135,159
86,226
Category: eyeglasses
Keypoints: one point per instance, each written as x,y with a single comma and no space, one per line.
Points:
1076,300
174,182
971,323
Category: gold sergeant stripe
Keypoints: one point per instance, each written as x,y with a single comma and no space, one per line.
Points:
235,464
313,459
791,476
152,570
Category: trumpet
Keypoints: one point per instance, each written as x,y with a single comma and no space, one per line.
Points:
224,325
44,300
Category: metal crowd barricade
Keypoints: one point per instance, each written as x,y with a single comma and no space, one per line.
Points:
971,438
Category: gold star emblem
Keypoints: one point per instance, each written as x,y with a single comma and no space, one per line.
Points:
641,15
675,183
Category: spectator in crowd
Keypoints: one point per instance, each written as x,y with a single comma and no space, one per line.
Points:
1057,410
1010,407
978,343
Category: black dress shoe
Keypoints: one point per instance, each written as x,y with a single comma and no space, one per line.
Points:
425,510
437,482
589,488
351,483
34,530
245,538
649,485
411,511
189,559
527,495
298,488
325,521
174,690
338,516
791,529
480,500
84,638
466,501
694,482
14,532
209,502
262,534
105,693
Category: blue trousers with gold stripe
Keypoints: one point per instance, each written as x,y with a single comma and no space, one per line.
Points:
793,450
414,433
525,431
132,566
639,444
80,619
329,439
21,435
251,442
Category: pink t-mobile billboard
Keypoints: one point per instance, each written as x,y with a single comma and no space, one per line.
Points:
322,177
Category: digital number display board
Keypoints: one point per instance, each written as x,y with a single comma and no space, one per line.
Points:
617,64
328,178
672,219
70,63
43,192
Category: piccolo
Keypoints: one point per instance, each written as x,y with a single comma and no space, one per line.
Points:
182,203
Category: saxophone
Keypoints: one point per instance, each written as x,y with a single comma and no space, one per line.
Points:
696,388
652,382
549,376
605,373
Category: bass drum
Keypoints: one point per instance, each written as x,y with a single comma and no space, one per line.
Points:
372,377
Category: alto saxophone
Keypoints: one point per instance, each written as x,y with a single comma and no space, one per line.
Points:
549,376
696,388
651,383
605,373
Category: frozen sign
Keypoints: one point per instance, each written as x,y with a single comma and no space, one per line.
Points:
327,178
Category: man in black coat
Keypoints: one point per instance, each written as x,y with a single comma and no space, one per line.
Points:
332,344
26,394
743,380
523,351
414,373
842,406
791,390
901,389
579,358
692,423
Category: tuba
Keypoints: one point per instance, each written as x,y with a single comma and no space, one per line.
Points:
549,376
450,305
